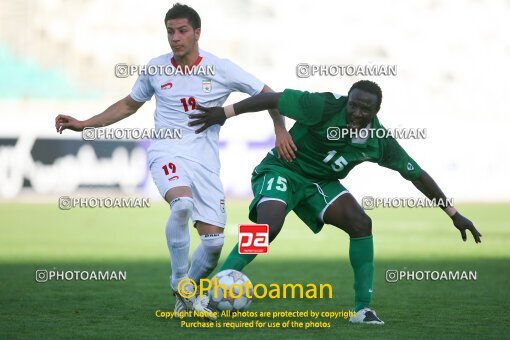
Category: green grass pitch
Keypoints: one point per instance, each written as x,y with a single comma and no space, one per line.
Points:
39,236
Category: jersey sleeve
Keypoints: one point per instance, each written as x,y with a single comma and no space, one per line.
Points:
303,106
239,80
394,157
142,90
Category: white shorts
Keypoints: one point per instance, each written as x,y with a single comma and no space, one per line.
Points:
169,171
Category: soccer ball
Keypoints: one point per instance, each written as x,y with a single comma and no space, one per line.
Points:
231,291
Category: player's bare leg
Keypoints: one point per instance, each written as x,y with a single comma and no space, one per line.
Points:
270,212
346,214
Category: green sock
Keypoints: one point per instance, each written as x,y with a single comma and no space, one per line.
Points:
361,254
237,261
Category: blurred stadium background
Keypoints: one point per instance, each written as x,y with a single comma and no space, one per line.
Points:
452,58
58,57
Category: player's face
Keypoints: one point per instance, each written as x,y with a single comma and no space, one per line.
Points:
361,108
182,37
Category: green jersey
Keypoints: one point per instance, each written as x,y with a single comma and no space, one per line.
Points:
325,152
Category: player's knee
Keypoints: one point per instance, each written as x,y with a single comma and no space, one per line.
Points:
213,243
182,207
271,213
360,225
274,230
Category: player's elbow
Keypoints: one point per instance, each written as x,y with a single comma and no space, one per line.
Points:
266,89
130,105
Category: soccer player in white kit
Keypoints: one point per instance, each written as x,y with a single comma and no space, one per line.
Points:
186,171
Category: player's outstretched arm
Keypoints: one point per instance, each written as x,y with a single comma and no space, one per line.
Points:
284,144
429,188
118,111
217,115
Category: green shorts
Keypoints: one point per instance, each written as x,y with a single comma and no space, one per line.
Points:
307,197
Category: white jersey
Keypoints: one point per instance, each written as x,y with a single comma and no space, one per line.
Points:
178,94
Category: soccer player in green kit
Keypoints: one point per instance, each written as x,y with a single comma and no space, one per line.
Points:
309,185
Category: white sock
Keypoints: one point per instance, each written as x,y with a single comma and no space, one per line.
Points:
177,238
205,257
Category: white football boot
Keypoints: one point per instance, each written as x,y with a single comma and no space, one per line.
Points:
200,304
366,316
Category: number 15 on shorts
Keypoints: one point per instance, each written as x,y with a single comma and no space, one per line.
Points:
253,239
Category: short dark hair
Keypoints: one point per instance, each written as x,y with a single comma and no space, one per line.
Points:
180,11
370,87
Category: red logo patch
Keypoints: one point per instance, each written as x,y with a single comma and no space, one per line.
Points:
253,239
167,86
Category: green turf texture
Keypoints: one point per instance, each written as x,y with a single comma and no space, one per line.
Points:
40,236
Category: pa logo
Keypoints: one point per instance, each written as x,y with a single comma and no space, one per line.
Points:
410,167
253,239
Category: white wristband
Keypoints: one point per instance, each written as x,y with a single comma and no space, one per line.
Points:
229,111
450,211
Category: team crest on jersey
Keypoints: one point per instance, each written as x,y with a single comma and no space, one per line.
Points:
206,86
410,167
222,206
